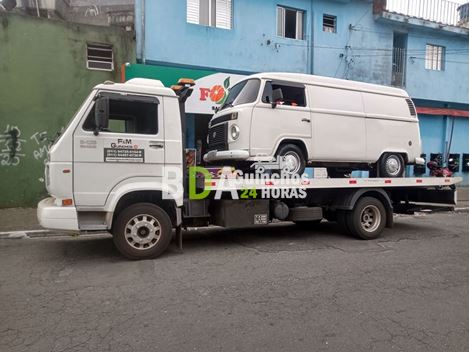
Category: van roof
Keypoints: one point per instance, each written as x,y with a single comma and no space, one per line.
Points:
138,86
330,82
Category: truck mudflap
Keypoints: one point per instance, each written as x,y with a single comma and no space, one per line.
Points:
51,216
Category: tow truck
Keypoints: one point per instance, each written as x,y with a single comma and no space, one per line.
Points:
120,167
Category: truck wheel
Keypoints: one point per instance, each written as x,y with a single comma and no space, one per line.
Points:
293,159
142,231
368,218
391,165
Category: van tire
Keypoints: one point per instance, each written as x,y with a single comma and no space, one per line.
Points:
391,165
154,238
296,155
368,218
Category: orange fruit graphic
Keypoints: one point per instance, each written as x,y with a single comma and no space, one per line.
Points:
217,93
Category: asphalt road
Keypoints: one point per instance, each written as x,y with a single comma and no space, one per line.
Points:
278,288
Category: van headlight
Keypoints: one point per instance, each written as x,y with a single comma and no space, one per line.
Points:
234,132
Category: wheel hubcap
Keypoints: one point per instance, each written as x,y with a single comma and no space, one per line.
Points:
143,231
370,218
393,166
291,162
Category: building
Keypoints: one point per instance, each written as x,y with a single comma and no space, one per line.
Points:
419,45
47,68
99,13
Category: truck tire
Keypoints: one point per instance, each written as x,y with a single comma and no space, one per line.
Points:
142,231
391,165
368,218
294,159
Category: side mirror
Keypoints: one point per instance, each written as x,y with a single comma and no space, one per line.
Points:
277,95
101,114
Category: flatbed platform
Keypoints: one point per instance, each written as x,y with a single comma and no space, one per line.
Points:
228,184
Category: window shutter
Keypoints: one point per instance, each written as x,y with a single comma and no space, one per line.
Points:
281,21
223,16
299,31
192,11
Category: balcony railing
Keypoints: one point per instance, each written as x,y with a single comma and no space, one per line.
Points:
440,11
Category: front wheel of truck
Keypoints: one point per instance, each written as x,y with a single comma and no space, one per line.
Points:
142,231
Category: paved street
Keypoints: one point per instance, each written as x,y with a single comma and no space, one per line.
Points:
278,288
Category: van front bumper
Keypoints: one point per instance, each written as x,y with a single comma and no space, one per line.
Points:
51,216
215,155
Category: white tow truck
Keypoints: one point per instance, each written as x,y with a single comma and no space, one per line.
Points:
120,167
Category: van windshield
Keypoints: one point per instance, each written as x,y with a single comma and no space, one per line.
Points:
242,93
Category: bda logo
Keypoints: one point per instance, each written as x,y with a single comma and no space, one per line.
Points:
216,93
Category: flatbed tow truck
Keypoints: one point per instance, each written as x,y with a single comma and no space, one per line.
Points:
104,181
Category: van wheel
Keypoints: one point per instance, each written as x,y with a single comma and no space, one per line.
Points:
368,218
391,165
293,159
142,231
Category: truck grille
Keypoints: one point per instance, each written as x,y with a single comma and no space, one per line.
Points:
218,137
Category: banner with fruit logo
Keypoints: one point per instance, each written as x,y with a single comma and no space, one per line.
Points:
210,91
211,88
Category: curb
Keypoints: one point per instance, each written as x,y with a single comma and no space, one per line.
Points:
13,235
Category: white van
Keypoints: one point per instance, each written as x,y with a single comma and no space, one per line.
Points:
318,121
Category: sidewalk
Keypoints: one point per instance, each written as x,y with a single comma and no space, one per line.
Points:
24,219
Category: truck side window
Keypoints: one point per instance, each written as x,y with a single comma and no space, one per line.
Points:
292,95
128,116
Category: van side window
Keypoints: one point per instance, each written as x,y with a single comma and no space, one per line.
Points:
292,95
128,116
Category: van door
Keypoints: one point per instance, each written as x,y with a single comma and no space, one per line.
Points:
132,145
339,132
290,119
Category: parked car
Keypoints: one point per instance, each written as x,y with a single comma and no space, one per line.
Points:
318,121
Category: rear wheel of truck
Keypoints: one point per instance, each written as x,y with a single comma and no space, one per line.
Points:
142,231
368,218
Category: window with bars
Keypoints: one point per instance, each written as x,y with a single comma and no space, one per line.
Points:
212,13
100,57
435,55
290,23
329,23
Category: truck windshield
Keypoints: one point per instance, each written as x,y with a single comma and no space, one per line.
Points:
242,93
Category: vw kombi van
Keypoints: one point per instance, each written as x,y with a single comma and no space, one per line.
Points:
317,121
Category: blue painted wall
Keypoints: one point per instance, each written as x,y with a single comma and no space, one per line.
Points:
360,50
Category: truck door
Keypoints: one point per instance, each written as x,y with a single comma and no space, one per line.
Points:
133,145
290,119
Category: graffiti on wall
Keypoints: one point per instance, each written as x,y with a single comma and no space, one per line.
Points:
12,145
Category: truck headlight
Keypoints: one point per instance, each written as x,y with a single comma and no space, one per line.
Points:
234,132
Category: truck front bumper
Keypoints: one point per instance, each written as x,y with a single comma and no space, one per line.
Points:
51,216
215,155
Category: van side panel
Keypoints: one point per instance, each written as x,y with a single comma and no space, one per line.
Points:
339,132
390,127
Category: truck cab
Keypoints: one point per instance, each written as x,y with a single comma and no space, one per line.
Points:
96,163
